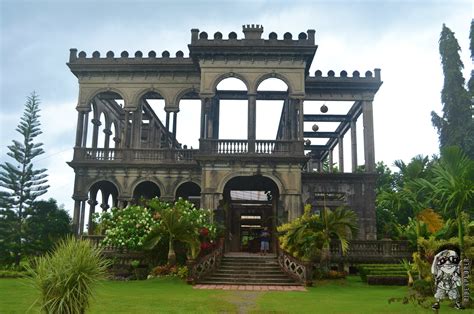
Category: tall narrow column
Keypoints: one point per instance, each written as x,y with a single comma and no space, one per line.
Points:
299,119
83,215
252,121
80,128
369,145
167,123
331,161
107,133
137,128
76,216
95,132
203,118
90,225
175,121
215,119
84,132
340,141
125,131
354,145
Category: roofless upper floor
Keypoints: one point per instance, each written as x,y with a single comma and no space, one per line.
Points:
120,89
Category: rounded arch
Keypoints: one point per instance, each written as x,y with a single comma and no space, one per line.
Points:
150,90
280,76
189,187
146,189
224,76
184,92
230,176
102,90
94,182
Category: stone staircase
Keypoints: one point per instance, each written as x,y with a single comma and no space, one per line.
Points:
249,269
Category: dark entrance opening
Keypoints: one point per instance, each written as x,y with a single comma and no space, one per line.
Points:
251,204
146,190
190,191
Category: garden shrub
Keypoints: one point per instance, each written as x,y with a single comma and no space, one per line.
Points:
387,280
168,270
66,277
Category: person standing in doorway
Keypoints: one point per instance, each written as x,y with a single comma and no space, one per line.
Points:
264,241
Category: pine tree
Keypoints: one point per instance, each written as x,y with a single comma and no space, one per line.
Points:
455,127
21,183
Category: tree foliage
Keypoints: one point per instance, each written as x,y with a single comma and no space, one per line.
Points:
455,127
21,183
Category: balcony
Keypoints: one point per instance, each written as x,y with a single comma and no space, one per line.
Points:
122,155
251,147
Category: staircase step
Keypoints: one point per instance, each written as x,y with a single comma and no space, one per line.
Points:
249,270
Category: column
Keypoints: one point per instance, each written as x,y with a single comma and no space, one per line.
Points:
299,119
107,133
167,123
83,215
84,132
80,128
331,161
252,121
369,145
92,203
137,128
125,131
354,145
203,118
341,153
175,121
215,118
95,132
76,216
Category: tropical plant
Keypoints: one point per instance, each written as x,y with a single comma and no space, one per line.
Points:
178,222
311,234
22,183
66,277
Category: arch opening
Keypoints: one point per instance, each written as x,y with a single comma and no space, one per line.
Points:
252,203
190,191
146,190
232,114
102,196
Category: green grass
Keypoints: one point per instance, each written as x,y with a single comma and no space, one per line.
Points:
174,296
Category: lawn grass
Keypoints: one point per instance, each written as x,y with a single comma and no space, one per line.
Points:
169,295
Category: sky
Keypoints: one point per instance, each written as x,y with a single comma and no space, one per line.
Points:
399,37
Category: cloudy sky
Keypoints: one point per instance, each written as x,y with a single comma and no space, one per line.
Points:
400,37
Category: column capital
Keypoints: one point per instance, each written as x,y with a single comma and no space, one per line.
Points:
107,132
96,122
82,109
92,202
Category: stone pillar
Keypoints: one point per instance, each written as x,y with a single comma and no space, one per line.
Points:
107,133
95,132
125,131
82,217
167,123
84,132
299,125
252,121
215,118
80,128
137,128
175,121
292,204
341,153
331,161
369,145
203,118
76,216
354,145
210,200
92,203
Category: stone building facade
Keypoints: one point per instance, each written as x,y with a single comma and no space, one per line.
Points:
124,151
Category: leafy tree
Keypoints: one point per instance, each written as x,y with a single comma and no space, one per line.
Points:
22,183
45,224
456,126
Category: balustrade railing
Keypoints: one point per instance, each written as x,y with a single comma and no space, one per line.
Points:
143,155
372,251
264,147
296,269
204,265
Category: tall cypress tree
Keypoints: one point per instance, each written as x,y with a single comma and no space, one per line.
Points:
21,183
455,127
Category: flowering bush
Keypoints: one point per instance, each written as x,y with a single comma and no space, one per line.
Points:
128,227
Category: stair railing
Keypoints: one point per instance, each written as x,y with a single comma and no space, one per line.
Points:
198,268
300,271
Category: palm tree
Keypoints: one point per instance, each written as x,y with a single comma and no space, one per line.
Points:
341,224
176,224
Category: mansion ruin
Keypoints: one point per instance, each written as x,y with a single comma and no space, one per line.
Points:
126,150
